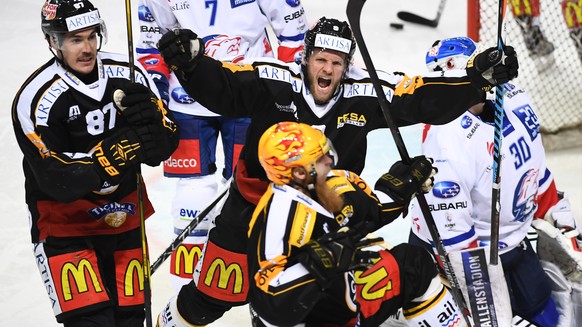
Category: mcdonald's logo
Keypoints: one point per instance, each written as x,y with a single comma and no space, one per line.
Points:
79,274
374,285
134,268
189,257
224,274
572,13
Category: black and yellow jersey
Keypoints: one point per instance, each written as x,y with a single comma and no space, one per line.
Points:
269,91
285,219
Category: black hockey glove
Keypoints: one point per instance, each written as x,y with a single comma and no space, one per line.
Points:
127,148
180,49
402,181
490,68
337,252
138,104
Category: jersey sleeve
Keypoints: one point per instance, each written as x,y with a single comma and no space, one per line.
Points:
64,175
436,99
288,21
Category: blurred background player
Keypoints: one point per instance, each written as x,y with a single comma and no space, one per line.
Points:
233,32
461,199
572,11
82,153
307,234
324,90
527,16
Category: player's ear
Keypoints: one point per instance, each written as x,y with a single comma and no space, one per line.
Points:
299,174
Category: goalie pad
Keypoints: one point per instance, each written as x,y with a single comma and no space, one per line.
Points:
566,294
559,248
488,300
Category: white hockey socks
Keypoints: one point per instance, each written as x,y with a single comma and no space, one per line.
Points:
170,317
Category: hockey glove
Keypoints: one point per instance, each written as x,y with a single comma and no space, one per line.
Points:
127,148
490,68
180,49
138,104
402,181
337,252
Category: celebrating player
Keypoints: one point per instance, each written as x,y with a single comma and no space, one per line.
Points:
461,199
231,32
82,152
324,90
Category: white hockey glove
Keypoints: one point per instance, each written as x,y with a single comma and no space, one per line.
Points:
560,244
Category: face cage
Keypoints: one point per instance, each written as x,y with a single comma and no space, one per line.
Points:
59,37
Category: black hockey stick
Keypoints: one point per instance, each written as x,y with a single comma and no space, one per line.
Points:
497,140
354,11
147,291
191,226
414,18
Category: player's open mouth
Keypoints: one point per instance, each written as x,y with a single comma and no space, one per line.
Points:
323,82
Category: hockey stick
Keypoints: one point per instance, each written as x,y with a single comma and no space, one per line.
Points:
497,140
191,226
414,18
354,10
147,291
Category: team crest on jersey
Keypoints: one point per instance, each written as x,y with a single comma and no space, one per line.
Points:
179,95
224,48
144,14
524,195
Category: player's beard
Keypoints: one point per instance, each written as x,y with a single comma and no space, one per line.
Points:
328,198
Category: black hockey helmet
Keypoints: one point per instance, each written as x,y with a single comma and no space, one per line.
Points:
330,33
59,17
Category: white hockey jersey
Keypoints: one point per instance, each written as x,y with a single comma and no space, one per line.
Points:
233,30
463,152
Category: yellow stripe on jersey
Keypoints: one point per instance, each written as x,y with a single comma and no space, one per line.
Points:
261,206
237,67
425,306
303,223
39,144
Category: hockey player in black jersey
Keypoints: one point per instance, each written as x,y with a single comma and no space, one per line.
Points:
82,150
307,237
324,90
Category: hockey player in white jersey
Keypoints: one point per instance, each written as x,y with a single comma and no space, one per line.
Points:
461,199
232,31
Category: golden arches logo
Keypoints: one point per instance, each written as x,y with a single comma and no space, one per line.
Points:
572,13
78,276
224,274
134,267
189,256
373,284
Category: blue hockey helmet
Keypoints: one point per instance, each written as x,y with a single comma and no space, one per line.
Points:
450,54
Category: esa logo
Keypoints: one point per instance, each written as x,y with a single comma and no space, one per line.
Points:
144,14
180,96
293,3
466,122
446,189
